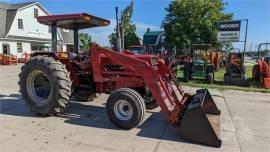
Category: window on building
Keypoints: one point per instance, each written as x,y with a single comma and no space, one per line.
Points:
35,12
40,47
65,30
20,23
49,29
19,47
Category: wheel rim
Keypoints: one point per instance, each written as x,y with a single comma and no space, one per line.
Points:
123,110
38,86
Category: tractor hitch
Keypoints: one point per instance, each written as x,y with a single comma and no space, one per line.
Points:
200,122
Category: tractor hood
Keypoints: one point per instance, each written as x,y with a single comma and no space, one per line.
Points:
199,62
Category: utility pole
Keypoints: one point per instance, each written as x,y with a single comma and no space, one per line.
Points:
123,31
246,35
245,40
118,39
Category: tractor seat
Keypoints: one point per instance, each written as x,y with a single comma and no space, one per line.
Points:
79,62
73,56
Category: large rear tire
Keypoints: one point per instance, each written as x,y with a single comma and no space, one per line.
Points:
149,100
125,108
45,85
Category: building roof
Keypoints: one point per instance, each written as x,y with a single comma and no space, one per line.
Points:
152,37
20,5
153,33
7,14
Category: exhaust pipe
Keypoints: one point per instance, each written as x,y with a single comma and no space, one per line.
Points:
200,122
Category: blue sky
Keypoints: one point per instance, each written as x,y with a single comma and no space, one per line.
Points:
150,13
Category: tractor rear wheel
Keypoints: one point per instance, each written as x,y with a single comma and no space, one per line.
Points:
125,108
45,85
149,100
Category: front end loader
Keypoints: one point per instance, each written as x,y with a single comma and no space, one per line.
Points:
49,79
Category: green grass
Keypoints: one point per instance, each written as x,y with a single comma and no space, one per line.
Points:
218,84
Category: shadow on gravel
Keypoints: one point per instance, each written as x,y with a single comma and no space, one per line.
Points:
12,105
87,115
155,126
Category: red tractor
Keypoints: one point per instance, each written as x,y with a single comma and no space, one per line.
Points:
49,79
168,55
261,71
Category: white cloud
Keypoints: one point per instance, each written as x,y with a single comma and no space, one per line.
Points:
100,34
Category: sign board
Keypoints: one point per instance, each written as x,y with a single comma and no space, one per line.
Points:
228,36
229,31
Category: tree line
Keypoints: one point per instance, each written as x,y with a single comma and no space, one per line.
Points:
186,22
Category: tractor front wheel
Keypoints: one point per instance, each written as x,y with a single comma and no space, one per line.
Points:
45,85
125,108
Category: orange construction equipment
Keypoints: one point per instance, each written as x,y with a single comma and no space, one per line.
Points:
8,59
261,71
235,70
215,57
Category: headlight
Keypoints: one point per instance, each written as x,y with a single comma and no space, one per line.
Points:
154,62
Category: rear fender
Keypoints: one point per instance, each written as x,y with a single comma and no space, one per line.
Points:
66,62
50,54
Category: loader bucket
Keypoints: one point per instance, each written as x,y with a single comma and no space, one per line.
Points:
200,123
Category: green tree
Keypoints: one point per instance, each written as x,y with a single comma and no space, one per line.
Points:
129,29
85,41
193,21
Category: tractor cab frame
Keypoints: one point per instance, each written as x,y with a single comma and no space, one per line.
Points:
74,22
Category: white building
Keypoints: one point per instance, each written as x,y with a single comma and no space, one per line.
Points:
20,31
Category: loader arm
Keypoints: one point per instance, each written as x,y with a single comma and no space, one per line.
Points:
164,93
